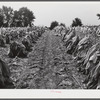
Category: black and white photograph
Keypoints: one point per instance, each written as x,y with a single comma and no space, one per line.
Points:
50,45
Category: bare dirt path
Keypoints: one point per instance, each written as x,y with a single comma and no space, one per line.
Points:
49,67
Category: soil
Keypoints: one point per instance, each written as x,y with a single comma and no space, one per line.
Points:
47,66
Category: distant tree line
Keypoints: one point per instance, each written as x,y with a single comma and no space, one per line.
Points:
55,23
21,18
76,22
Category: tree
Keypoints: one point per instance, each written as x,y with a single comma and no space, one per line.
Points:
16,19
98,16
76,22
25,16
21,18
1,20
62,24
6,16
1,17
7,13
53,24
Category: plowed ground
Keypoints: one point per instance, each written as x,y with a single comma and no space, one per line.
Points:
48,66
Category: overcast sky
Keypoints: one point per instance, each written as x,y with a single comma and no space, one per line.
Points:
65,12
